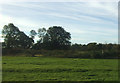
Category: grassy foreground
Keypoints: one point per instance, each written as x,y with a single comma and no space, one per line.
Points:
58,69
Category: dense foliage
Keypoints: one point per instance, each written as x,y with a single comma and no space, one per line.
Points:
14,38
53,42
53,38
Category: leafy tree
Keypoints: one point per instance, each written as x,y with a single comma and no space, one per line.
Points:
100,46
9,33
33,34
14,38
57,38
92,46
23,40
76,46
41,34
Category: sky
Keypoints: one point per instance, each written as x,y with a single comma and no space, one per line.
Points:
86,21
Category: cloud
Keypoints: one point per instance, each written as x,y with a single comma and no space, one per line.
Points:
3,1
95,18
91,12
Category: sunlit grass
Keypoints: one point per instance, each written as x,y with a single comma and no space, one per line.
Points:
59,69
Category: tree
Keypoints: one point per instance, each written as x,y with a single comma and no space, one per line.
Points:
92,46
57,38
41,34
14,38
24,41
33,34
9,33
76,46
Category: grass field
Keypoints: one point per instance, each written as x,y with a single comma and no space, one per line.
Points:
58,69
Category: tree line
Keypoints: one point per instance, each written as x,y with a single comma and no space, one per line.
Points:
53,38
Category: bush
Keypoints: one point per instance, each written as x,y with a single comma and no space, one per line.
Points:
62,53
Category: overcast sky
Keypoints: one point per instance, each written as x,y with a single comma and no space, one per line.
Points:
86,21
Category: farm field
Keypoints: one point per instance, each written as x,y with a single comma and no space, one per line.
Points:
58,69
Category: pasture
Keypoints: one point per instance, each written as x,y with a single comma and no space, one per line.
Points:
18,68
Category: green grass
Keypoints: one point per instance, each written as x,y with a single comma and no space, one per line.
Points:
58,69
